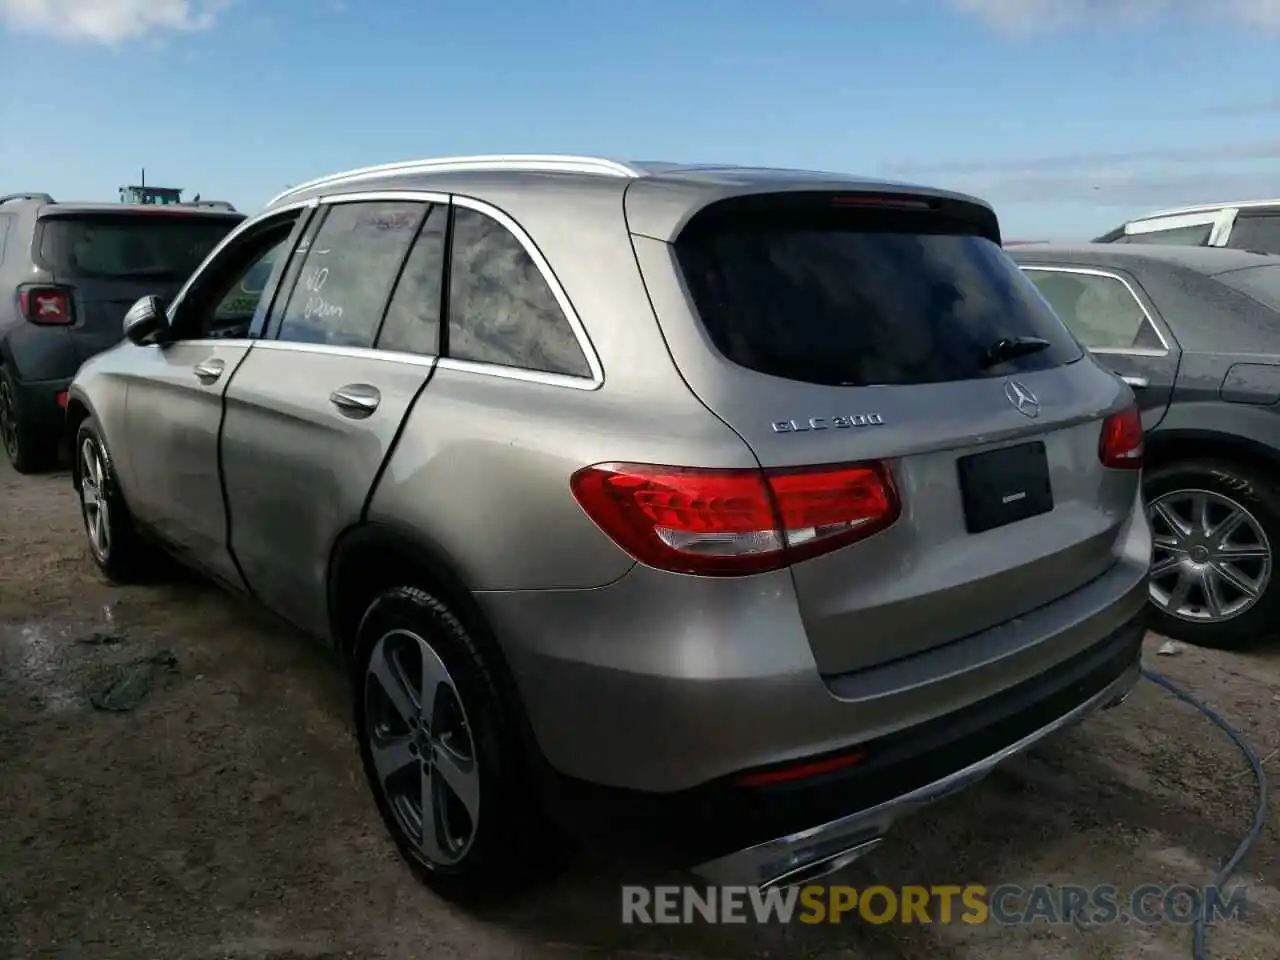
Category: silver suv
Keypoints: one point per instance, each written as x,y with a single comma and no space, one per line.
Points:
734,512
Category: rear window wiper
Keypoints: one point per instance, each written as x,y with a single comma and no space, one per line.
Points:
1010,348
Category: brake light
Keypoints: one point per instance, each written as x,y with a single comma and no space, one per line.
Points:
1120,446
729,522
45,305
881,200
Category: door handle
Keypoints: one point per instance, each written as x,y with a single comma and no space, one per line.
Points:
357,398
209,370
1137,383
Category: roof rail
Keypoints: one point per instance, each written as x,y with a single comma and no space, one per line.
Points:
551,163
1207,208
42,197
212,204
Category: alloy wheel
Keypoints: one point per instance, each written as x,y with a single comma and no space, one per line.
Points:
93,500
1212,559
421,746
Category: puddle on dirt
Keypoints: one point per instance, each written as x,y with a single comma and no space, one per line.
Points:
37,654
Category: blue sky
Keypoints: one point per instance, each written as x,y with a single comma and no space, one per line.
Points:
1069,115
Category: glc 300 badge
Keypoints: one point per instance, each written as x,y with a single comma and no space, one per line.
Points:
826,423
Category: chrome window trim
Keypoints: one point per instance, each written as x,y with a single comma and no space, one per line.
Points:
1173,222
593,382
243,227
1107,274
396,356
557,291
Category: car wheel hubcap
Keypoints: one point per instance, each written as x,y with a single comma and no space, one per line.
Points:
8,422
93,501
1211,559
421,745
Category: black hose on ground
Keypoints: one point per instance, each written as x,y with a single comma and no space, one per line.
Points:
1260,816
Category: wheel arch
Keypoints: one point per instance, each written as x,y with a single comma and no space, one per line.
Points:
78,411
1170,446
373,556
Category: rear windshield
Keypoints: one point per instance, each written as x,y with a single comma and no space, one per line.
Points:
164,246
1260,283
835,303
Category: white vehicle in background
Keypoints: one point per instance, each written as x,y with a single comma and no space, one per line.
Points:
1252,225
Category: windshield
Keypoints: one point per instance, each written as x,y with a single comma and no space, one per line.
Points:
843,306
162,246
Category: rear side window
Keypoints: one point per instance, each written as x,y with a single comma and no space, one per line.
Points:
412,324
1260,283
1193,236
501,310
4,233
163,246
830,300
1100,310
347,275
1261,234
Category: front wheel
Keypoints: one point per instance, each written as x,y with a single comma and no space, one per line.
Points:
1215,526
440,751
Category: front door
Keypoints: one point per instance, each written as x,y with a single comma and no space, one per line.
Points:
173,407
314,410
1111,316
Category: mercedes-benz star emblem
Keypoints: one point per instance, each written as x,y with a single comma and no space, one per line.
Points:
1023,400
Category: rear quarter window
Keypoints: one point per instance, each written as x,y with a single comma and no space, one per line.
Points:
832,300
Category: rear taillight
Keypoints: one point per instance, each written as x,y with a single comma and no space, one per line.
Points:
1120,446
45,305
719,522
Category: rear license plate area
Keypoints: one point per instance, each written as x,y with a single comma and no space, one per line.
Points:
1004,486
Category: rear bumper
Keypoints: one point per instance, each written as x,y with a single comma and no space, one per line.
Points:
805,853
786,833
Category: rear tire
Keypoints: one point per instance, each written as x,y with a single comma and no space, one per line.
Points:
26,448
114,543
448,777
1216,526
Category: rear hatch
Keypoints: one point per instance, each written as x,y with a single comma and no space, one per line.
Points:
110,258
831,329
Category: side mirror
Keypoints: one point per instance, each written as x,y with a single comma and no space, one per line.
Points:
145,320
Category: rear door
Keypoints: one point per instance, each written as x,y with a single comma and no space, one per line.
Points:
314,410
109,259
830,329
1113,317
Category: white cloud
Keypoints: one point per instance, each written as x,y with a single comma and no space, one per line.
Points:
109,21
1038,16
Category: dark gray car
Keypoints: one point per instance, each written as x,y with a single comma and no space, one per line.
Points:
1196,332
68,273
743,511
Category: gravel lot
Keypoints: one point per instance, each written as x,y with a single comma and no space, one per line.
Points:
226,816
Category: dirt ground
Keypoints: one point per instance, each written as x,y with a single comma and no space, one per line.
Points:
226,816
